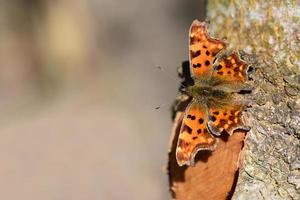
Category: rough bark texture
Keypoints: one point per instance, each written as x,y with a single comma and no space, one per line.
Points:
270,30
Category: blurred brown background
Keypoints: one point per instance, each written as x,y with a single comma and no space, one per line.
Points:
78,89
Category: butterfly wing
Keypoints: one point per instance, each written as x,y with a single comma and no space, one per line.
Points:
194,135
226,117
231,70
203,50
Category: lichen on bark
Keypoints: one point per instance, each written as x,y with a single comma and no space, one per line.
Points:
269,31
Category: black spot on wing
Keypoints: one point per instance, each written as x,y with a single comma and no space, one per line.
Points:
219,67
187,129
228,63
223,122
207,63
192,117
213,118
201,121
216,112
198,65
195,54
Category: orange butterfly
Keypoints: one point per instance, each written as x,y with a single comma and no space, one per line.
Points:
214,107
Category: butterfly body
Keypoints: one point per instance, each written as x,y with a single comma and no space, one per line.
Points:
200,92
214,108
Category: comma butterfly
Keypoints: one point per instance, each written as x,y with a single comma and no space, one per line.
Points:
215,106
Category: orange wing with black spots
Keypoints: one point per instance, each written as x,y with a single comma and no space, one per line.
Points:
228,118
217,80
231,69
194,135
203,50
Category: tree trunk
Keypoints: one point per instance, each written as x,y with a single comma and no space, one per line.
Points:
269,157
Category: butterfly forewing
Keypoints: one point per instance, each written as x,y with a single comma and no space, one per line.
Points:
203,50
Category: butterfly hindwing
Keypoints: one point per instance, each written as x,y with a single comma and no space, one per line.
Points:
231,70
203,50
194,135
226,117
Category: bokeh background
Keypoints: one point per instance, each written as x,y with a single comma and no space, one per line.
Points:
78,89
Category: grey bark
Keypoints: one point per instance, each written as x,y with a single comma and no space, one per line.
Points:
270,32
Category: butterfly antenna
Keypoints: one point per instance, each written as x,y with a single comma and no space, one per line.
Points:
160,106
174,79
171,77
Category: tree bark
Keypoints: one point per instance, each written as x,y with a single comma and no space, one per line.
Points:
269,34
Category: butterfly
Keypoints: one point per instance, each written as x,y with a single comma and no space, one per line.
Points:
215,106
